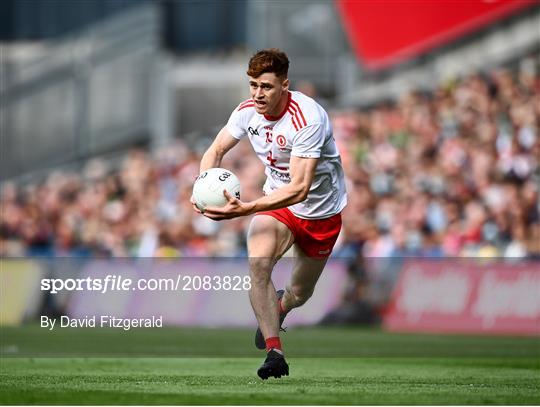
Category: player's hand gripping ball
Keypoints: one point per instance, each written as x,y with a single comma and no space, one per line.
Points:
209,186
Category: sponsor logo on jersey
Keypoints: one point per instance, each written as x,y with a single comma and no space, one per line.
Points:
285,177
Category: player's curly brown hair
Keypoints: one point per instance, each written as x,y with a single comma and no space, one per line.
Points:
268,60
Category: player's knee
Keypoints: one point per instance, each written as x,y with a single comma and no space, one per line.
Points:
300,294
260,269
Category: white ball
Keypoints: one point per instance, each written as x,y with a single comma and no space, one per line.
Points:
209,186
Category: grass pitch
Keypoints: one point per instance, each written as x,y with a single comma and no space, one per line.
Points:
200,366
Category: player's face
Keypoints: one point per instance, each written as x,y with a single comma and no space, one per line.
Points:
268,92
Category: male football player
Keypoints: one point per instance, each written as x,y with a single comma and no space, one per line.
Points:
304,194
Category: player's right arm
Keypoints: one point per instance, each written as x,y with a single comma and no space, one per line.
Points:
223,142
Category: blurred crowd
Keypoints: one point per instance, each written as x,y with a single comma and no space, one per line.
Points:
454,172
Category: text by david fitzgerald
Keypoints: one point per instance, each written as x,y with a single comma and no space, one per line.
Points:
102,321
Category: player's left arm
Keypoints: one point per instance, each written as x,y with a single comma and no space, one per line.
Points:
302,172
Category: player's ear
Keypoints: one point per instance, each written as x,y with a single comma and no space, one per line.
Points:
285,84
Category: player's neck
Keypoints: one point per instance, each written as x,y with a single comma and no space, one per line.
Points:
281,107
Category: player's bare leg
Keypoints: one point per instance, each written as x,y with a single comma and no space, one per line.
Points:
268,240
304,277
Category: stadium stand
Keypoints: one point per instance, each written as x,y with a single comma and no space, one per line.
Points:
463,160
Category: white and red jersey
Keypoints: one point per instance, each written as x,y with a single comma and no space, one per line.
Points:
303,130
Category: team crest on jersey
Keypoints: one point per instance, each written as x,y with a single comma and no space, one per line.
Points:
281,140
